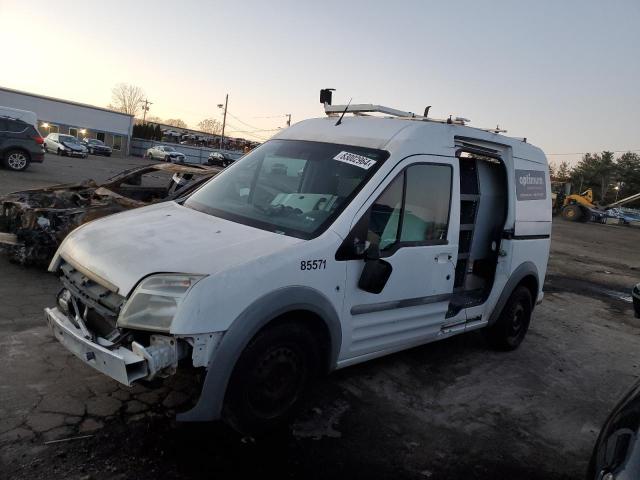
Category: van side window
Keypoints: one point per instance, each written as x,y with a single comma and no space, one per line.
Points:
385,213
426,206
414,208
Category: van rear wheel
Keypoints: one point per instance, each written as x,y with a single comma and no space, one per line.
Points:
513,323
269,378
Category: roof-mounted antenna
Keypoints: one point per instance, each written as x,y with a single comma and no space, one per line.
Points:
426,112
345,111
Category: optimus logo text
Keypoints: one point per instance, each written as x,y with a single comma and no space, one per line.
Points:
529,180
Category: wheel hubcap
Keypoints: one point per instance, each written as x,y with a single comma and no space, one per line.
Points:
17,161
517,323
276,382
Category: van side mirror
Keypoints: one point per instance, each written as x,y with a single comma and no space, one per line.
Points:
375,274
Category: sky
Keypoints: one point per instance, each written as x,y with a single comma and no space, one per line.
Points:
564,74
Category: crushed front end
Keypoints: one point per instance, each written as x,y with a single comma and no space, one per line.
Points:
85,321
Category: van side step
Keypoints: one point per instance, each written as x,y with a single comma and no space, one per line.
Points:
465,299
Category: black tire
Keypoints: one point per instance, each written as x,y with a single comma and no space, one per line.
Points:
16,160
513,323
572,213
167,159
269,378
59,152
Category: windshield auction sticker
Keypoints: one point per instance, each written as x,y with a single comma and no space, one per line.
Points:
353,159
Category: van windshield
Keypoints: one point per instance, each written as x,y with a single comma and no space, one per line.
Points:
293,187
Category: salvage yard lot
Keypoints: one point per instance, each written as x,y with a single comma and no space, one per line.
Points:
55,170
453,409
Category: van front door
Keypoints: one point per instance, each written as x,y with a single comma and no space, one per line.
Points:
413,222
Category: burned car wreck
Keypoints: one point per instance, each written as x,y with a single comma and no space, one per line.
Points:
33,223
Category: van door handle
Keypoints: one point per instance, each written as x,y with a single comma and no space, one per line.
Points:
443,257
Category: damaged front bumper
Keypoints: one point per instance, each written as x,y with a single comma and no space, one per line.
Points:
121,364
126,365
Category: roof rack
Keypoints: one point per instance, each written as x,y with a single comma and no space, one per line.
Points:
494,130
363,109
369,108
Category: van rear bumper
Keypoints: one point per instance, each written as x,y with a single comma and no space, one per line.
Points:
120,363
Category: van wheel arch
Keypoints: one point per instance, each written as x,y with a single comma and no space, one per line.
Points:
524,275
280,360
531,283
306,305
316,326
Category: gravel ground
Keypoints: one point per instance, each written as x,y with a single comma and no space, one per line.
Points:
448,410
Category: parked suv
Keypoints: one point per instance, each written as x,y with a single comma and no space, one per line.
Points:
20,143
166,153
65,145
97,147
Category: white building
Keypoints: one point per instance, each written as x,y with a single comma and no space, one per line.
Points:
73,118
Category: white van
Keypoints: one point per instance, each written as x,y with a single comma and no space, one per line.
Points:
337,241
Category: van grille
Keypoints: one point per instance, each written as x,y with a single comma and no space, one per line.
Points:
97,305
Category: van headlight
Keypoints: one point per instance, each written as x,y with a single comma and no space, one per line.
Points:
155,301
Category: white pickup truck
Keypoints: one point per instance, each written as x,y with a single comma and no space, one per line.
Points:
337,241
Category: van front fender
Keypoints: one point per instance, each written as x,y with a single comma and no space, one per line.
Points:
244,328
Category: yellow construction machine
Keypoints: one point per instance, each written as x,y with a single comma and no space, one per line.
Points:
580,207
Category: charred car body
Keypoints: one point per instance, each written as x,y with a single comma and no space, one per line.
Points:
34,222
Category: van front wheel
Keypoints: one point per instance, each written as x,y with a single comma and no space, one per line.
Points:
269,378
513,323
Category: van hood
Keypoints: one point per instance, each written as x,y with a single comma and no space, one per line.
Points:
166,237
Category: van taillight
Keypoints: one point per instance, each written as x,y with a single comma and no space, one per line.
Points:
38,139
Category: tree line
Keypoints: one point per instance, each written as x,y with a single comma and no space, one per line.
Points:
608,176
147,131
130,99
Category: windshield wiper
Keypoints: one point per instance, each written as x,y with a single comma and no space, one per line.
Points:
278,210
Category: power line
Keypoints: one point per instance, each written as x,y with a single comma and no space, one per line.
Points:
272,116
584,153
243,122
256,131
235,129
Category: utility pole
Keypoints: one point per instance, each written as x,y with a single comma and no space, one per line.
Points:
145,109
288,119
224,118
